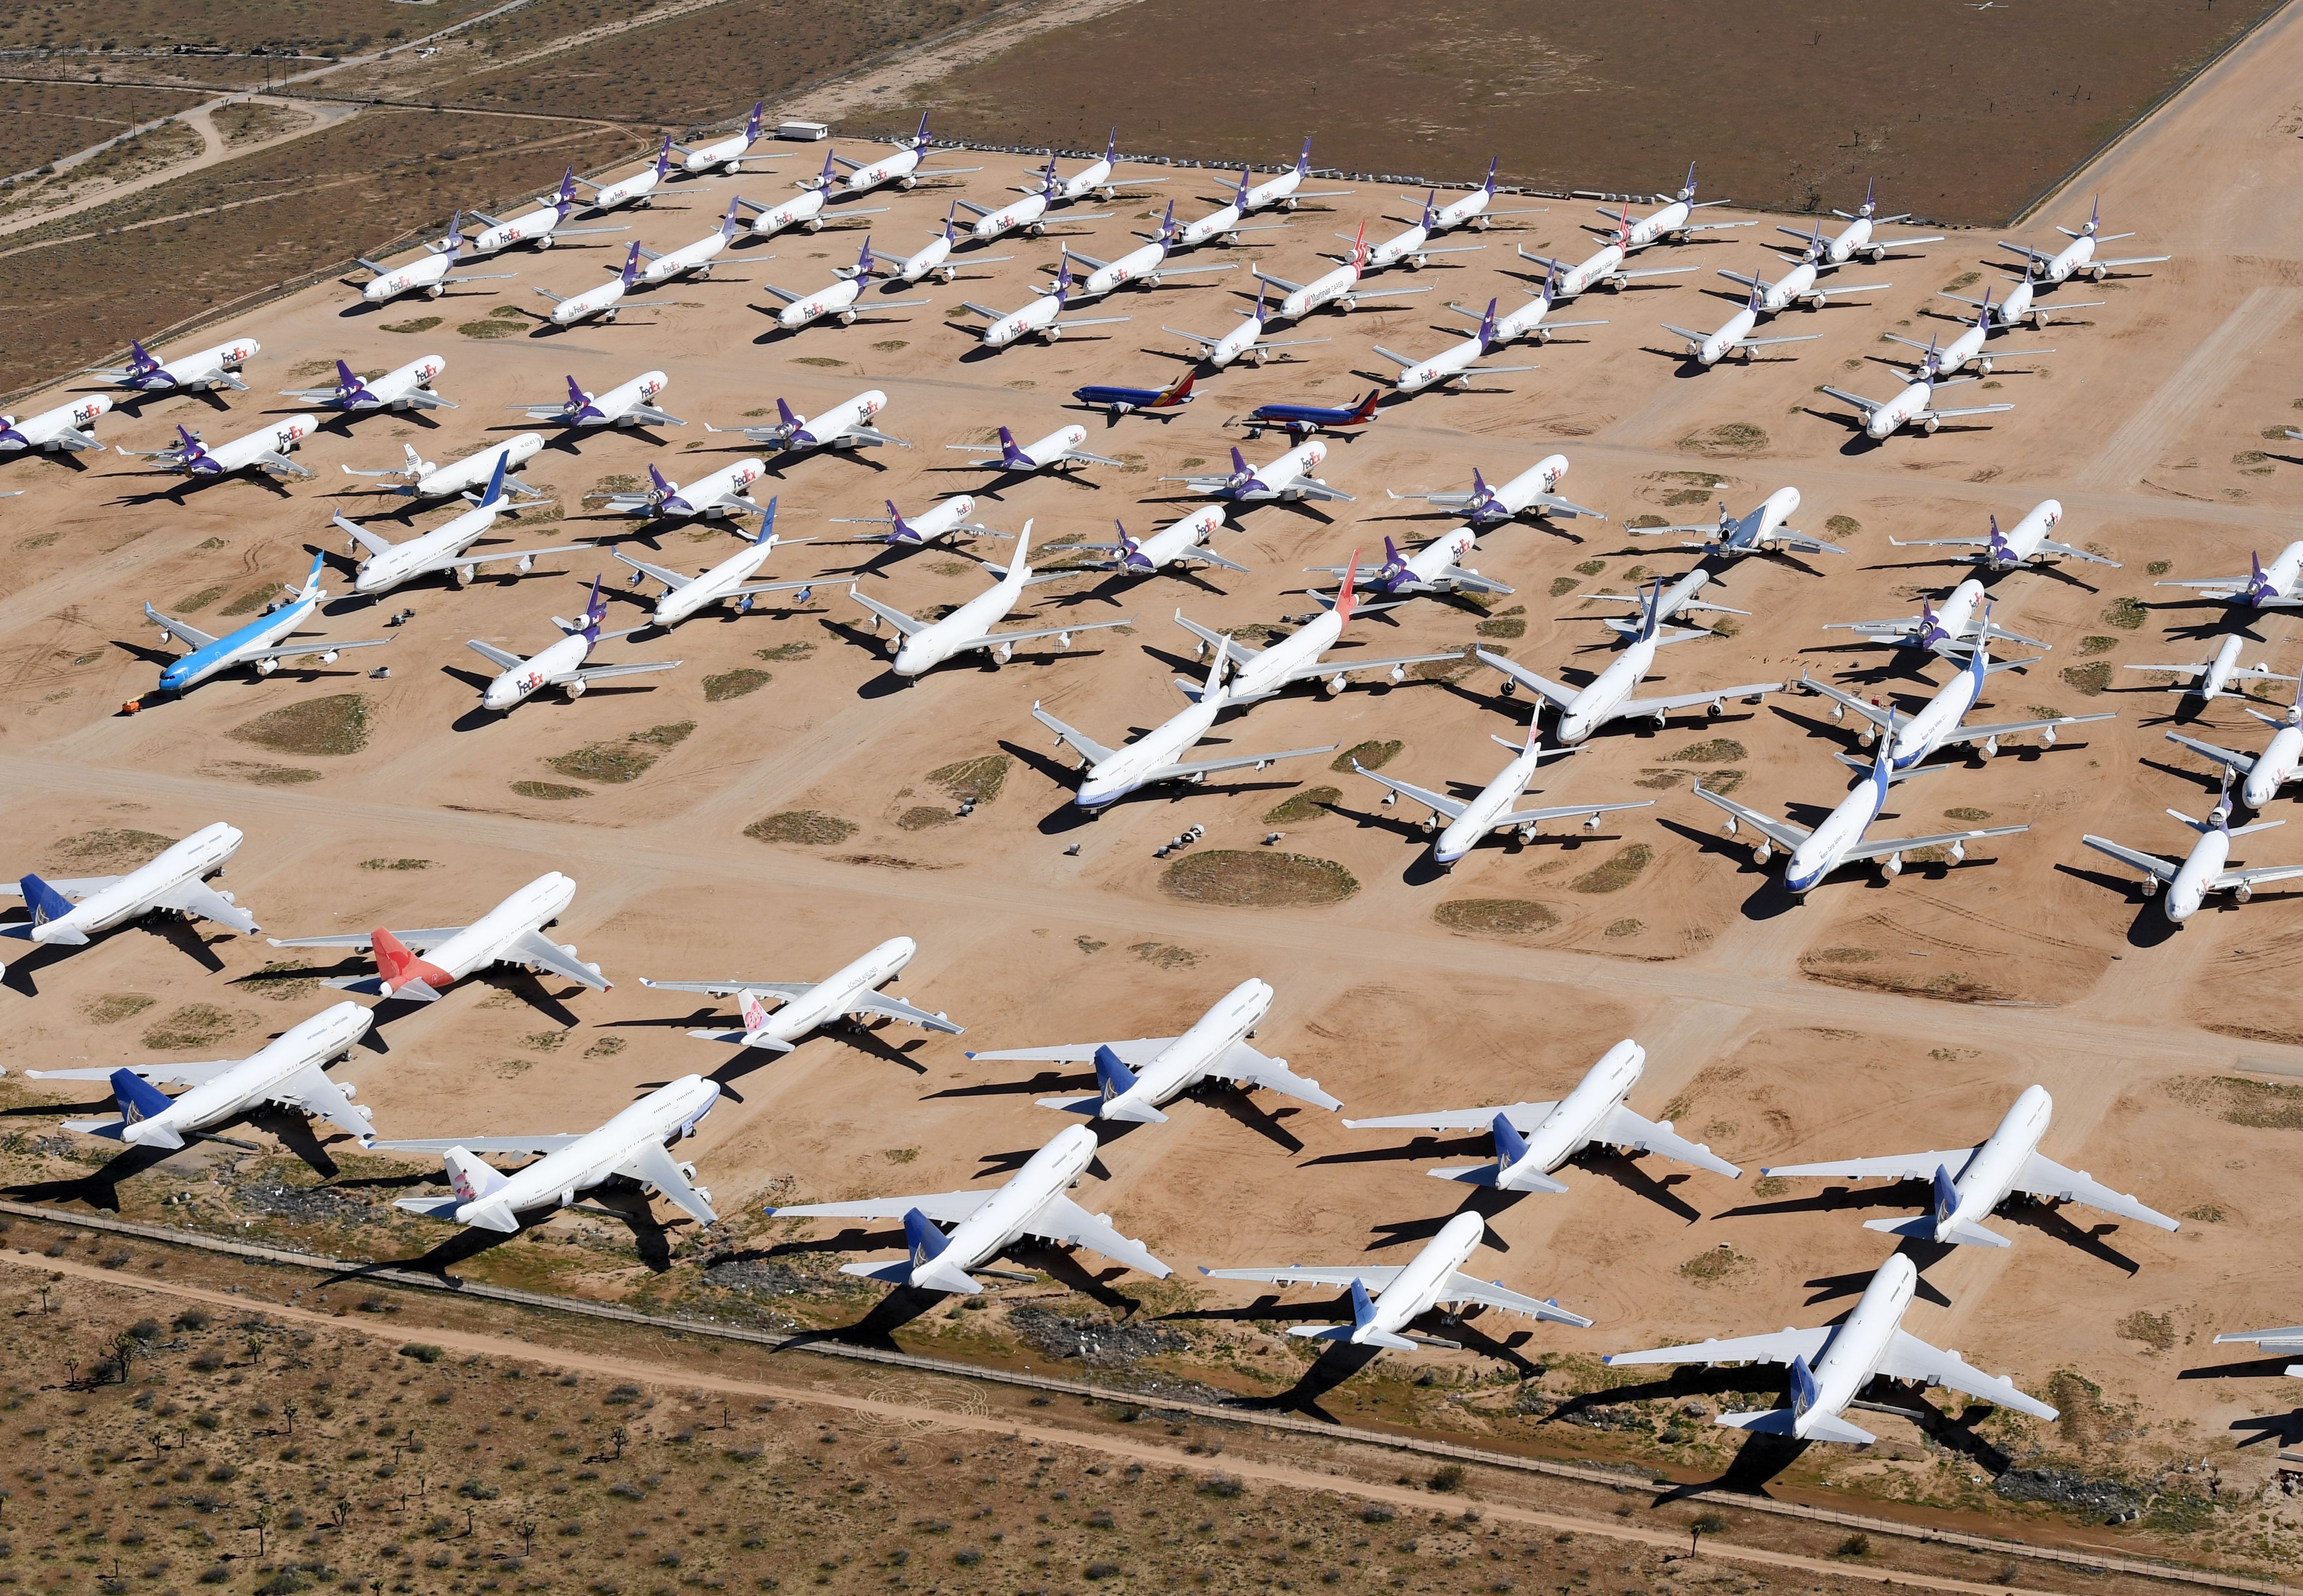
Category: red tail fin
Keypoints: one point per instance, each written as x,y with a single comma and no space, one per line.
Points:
398,966
1347,595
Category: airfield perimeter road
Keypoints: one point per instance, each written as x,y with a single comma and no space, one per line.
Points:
1780,1030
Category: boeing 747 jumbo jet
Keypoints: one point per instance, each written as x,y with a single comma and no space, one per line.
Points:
986,1221
1831,1365
264,449
264,642
540,227
2215,678
2021,303
845,425
446,548
1950,628
2280,762
634,1145
429,276
852,992
1528,494
421,478
203,371
407,388
1475,209
2007,1162
1533,1141
630,404
1939,723
70,910
1914,407
2204,869
728,583
418,966
1762,530
1604,269
71,428
1135,1079
2278,585
920,646
1674,220
1733,337
2024,543
560,665
1839,839
1061,449
1858,237
1490,812
1608,696
1386,1298
2077,258
1108,775
288,1072
1245,340
1971,347
1434,570
1300,656
1180,543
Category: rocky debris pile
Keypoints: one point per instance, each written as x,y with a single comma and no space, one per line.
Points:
2068,1488
1100,1343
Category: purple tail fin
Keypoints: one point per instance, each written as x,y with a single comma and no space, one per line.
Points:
632,264
1489,188
575,399
665,490
594,612
900,531
1010,456
1303,161
784,415
1487,326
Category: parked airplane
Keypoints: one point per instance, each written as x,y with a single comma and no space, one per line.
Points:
1604,269
288,1072
713,497
1490,814
263,642
1042,316
627,404
1607,697
1680,596
1246,339
1435,569
852,993
69,427
987,1221
603,301
934,260
560,665
1116,401
1289,476
1135,1079
1146,264
1534,1141
1301,655
1455,366
697,257
1339,287
902,169
418,966
634,1146
541,227
203,371
1180,543
405,388
1224,222
1915,405
1762,530
2021,544
2277,586
836,300
951,518
1830,1365
1800,285
1531,320
845,425
637,189
1285,190
2205,869
2211,679
1096,177
427,479
804,209
1412,248
1475,209
445,548
69,911
1969,345
1059,450
2280,762
1839,839
1028,215
2007,1162
1304,421
728,583
1953,629
430,275
2020,303
1108,775
1674,220
265,449
2077,258
1939,723
1733,336
2289,1339
728,154
1386,1298
1530,493
1858,237
920,646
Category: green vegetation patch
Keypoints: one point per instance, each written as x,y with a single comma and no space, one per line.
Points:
192,1025
263,775
423,323
784,652
193,603
113,1007
1729,437
1718,751
1496,917
822,360
2087,680
2097,645
119,845
1716,1267
2259,1104
333,725
551,792
1166,955
2155,1331
1625,928
1561,586
489,327
2126,614
810,825
2159,567
734,683
395,864
1843,526
1372,755
1505,626
1257,879
1308,804
1969,816
1592,567
612,763
256,598
924,818
1616,873
979,778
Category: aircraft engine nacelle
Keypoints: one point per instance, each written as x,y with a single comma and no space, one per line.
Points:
1396,674
1004,653
1335,684
1430,824
166,638
948,273
545,242
462,574
1983,366
1590,825
1732,827
434,291
1051,332
1929,426
1063,640
1716,708
2097,273
265,667
2150,886
1510,688
575,690
1763,852
1347,303
2242,893
1893,866
526,564
2047,736
1864,738
328,657
1876,254
1958,851
1414,263
1813,301
1990,749
2038,321
350,1091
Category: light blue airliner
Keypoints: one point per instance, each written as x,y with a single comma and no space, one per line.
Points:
263,642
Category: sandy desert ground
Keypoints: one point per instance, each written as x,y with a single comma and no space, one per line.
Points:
1876,1017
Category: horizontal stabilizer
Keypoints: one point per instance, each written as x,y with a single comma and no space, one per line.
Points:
430,1207
111,1129
1477,1174
1780,1421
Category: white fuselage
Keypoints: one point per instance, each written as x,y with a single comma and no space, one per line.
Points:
1029,213
1086,181
202,369
1968,346
42,431
2279,763
829,429
1522,490
1047,1174
1576,1120
634,189
194,858
925,649
934,261
391,391
1330,288
1417,1289
1480,815
1215,224
1055,448
1236,343
381,572
804,209
1186,1061
1038,316
1672,217
1991,1170
1140,265
1851,242
1790,289
1455,212
1723,343
1526,322
535,227
1407,246
941,518
1450,364
1819,853
2020,543
251,1083
1437,557
1755,531
712,587
1598,703
473,471
1901,411
488,939
1125,771
727,152
663,1117
615,406
2215,680
538,671
418,276
1269,670
1275,191
697,257
2071,259
702,499
1956,615
1600,268
1924,733
834,299
837,993
1171,543
1278,479
897,168
601,301
2209,857
1859,1343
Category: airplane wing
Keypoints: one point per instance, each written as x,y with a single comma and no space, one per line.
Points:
418,941
1801,543
1240,652
2244,763
1068,323
655,1166
1933,238
663,573
1869,711
1784,834
1894,1166
2026,250
1754,343
75,888
601,672
2134,260
1624,1129
1088,747
2258,876
2289,1338
1236,761
1849,288
1133,1053
1376,1277
1390,293
785,989
1061,1220
499,658
534,948
1332,666
197,1074
1778,1348
283,650
1081,454
993,640
1689,333
1940,413
72,439
1905,844
1687,701
1940,542
2044,1177
1553,502
1524,1117
1304,488
534,1146
192,636
1245,1067
1279,282
1208,556
1981,734
280,465
1856,399
311,1090
2064,549
896,619
480,556
1461,1288
2149,864
1654,271
654,417
1437,803
946,1207
1908,1357
879,1006
1558,696
198,899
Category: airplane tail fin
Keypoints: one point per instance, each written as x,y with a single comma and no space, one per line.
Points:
1178,391
1213,692
1112,1078
1241,199
863,260
46,901
400,971
1168,223
1021,570
495,480
631,272
1011,457
594,612
472,1177
1347,592
768,523
924,1265
1488,187
663,488
1366,412
1303,161
138,1097
1510,1146
1487,326
311,588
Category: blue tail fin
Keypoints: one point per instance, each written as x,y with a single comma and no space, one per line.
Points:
1363,1307
138,1097
1947,1196
922,1240
495,479
1112,1076
1805,1391
1510,1146
46,901
768,522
